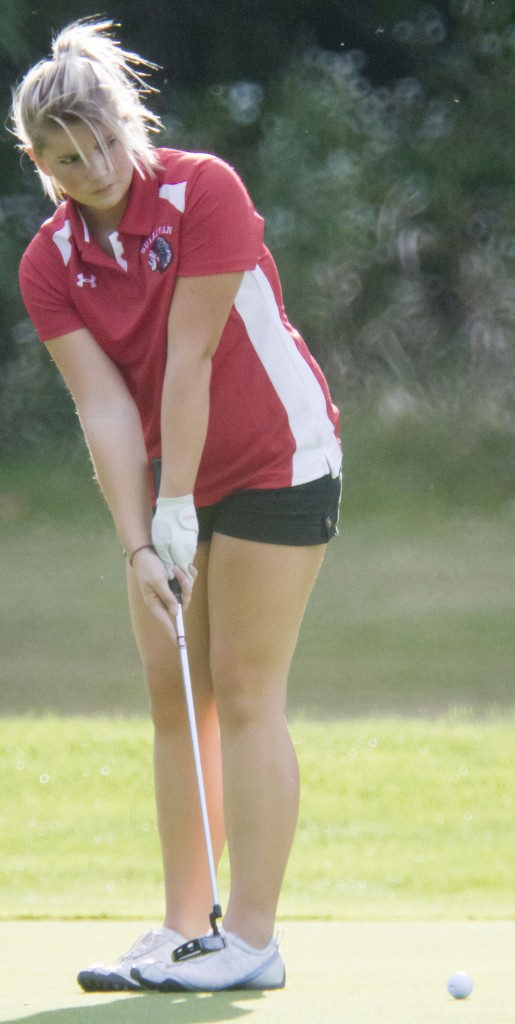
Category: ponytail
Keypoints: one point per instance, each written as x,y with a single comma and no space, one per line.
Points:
92,41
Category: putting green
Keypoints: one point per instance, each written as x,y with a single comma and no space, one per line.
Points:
337,973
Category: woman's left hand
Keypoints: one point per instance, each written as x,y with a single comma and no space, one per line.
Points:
154,584
175,533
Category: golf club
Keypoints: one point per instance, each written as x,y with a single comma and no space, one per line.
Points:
207,943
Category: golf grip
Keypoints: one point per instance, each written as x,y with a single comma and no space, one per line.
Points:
175,587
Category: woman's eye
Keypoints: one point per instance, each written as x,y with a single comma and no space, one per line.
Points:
69,159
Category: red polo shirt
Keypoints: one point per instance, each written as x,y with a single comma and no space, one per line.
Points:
271,423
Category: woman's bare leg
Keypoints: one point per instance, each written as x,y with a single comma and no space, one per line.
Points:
257,598
187,885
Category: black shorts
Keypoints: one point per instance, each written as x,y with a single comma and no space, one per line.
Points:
299,516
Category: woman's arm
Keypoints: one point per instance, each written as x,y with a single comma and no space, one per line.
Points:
199,311
198,314
112,429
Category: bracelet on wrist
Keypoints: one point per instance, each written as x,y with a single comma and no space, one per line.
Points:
142,547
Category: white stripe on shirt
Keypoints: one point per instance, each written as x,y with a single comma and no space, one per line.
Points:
62,241
317,448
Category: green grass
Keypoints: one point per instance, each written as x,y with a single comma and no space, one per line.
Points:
413,611
406,619
402,711
400,820
357,972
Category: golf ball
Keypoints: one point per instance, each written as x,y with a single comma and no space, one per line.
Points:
460,985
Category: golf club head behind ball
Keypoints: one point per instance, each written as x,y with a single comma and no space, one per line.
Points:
460,985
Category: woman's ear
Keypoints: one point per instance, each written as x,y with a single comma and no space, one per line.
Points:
40,164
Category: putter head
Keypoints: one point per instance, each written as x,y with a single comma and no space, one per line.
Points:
206,944
199,947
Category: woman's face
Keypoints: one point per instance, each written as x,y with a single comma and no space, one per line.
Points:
80,168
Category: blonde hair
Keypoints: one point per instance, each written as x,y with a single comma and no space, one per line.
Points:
88,79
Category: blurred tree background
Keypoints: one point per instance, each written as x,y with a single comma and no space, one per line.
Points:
377,139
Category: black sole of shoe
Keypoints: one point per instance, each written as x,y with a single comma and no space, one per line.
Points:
90,982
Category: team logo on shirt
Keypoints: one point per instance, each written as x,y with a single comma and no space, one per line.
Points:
160,255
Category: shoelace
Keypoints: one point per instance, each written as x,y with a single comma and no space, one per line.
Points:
144,944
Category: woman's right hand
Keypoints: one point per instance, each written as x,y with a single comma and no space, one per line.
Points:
154,584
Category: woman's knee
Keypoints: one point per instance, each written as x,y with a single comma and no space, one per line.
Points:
246,693
164,694
165,688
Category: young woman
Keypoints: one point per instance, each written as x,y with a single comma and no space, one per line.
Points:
162,309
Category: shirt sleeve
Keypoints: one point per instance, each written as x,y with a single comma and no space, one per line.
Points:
45,292
221,232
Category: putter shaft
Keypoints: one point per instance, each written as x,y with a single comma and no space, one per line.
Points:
188,693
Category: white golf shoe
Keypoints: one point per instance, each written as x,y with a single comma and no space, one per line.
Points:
236,966
158,944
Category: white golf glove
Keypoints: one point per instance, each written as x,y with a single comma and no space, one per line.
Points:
175,532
